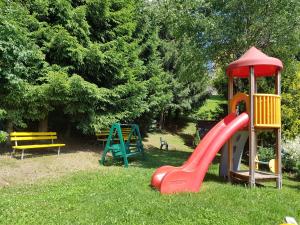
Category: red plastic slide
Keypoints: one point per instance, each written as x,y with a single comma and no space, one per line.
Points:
189,176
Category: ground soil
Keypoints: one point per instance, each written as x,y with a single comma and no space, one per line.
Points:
78,155
42,164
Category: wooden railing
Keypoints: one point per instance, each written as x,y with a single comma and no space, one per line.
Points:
267,111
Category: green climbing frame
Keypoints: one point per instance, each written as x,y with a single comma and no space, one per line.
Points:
121,148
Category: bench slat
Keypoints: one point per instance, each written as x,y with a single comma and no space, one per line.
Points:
38,146
16,134
33,138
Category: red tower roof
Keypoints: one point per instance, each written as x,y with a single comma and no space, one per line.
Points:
263,65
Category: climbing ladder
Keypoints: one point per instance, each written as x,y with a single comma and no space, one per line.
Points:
120,147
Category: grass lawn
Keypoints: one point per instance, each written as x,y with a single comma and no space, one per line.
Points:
115,195
211,107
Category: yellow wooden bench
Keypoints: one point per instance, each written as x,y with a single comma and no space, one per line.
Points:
125,133
103,134
18,137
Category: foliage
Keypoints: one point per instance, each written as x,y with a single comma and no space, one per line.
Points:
224,30
265,154
98,61
190,78
254,23
141,60
291,155
211,109
3,136
291,102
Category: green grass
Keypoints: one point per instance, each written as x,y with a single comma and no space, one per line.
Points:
115,195
211,108
181,139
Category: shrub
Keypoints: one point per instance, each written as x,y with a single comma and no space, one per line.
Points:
3,136
298,169
291,156
265,154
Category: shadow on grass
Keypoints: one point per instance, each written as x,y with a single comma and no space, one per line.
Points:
213,177
293,178
297,187
153,158
177,125
187,139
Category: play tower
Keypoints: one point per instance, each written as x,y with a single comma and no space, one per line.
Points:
263,110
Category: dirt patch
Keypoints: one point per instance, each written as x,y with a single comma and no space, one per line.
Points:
41,164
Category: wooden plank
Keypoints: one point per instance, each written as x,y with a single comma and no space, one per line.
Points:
38,146
19,134
33,138
259,176
102,134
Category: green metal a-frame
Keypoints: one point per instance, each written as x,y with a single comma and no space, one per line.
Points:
121,147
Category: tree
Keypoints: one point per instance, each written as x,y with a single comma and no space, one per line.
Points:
87,59
224,30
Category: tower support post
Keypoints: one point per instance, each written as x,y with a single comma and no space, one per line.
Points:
278,169
230,146
252,136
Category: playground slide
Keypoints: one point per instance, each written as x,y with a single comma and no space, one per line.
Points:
189,176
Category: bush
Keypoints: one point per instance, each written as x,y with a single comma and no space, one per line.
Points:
298,169
291,156
265,154
3,136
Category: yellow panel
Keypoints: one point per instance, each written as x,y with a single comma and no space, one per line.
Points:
267,111
33,138
38,146
16,134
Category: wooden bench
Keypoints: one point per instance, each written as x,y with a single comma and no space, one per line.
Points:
103,135
31,137
125,133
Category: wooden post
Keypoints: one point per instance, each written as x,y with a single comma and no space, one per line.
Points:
255,85
278,139
252,141
230,147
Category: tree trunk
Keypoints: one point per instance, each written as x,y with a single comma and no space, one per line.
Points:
161,120
9,127
43,125
68,131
